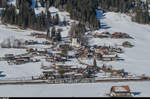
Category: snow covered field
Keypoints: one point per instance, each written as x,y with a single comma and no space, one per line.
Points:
136,58
71,90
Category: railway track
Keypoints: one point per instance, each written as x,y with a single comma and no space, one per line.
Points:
37,82
123,80
22,82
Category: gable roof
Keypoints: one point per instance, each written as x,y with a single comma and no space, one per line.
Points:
120,89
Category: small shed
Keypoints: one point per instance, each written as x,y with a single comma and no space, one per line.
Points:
127,44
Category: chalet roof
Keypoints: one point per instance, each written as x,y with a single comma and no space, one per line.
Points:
109,56
79,74
120,88
9,55
70,73
48,71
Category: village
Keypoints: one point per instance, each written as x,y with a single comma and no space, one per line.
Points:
60,53
70,61
57,71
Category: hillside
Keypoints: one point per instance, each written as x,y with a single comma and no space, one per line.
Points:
136,61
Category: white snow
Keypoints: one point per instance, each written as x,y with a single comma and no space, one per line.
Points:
136,58
120,89
71,90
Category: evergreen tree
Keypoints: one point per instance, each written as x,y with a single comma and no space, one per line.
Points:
94,63
58,36
48,33
53,32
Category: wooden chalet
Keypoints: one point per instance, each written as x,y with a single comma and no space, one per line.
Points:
40,36
104,35
120,91
30,42
109,58
9,56
120,35
46,43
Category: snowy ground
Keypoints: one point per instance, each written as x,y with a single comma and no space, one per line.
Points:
136,58
70,90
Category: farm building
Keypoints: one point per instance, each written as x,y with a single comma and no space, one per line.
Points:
40,36
120,91
96,35
46,43
64,46
109,58
21,61
102,51
104,35
75,42
30,42
127,44
9,56
120,35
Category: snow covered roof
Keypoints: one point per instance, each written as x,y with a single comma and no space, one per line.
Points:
121,89
109,55
69,73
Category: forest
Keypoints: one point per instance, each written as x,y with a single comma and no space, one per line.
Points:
83,11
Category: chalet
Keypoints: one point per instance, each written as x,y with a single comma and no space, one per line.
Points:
64,46
40,36
30,42
65,68
69,74
102,50
106,67
48,73
30,50
96,35
46,43
120,91
120,35
87,49
109,57
9,56
117,50
92,68
83,55
74,68
75,43
104,35
34,60
20,61
25,57
42,52
50,59
127,44
78,75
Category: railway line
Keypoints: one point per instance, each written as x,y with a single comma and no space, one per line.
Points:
35,82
